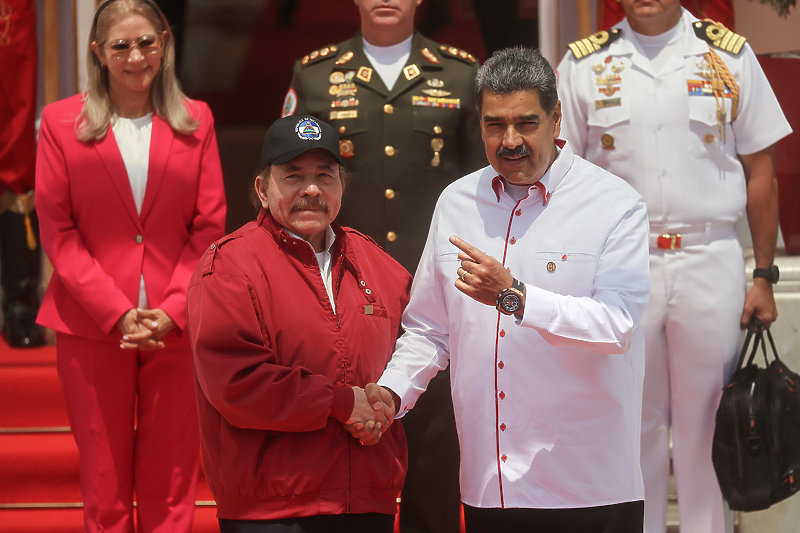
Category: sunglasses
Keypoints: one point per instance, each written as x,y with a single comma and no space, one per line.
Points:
147,44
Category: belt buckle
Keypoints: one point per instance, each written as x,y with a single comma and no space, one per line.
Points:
668,241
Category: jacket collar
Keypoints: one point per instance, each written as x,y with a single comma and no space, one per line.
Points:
160,149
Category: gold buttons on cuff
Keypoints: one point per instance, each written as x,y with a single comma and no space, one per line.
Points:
139,239
388,109
391,236
389,150
389,194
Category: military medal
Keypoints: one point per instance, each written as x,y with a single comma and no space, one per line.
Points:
618,67
346,149
345,103
436,83
431,101
438,93
437,145
598,68
336,78
411,72
607,142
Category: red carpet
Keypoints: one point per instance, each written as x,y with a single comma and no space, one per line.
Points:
39,480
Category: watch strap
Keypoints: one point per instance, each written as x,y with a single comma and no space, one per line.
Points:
770,273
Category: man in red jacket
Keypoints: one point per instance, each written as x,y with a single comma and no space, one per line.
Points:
289,316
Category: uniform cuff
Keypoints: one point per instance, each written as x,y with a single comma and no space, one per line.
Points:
343,401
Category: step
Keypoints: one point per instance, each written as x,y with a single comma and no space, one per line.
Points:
70,520
31,397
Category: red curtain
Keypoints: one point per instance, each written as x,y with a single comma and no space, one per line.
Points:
17,95
609,12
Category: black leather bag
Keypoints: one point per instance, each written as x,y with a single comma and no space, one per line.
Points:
756,446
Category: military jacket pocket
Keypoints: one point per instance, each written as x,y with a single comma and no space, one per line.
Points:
353,140
704,131
435,130
609,132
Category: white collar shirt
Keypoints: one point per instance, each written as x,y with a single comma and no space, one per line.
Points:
548,407
659,131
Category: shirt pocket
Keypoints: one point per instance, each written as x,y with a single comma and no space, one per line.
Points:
704,141
566,273
608,130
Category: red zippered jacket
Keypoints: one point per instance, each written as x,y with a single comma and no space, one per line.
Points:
275,366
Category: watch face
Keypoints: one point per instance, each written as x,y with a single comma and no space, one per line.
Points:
511,302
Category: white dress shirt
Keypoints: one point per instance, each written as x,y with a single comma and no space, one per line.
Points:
388,60
133,139
547,408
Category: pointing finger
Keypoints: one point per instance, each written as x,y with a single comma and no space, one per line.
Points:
473,253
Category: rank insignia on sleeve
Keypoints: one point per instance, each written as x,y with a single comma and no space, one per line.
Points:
719,36
364,74
289,103
584,47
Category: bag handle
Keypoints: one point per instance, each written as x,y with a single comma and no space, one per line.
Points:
754,328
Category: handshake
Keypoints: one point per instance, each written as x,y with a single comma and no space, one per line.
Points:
373,413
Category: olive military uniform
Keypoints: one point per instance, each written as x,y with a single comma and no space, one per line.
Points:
401,147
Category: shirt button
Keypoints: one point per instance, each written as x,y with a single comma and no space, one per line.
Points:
391,236
500,365
660,127
368,291
519,212
502,395
502,427
513,240
502,333
139,239
388,109
389,194
363,283
389,150
504,457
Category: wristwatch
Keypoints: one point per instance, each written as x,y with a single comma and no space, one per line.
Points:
771,273
509,301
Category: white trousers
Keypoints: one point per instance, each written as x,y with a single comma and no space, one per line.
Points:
691,329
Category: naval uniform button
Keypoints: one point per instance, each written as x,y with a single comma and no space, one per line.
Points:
389,150
391,236
388,109
389,194
139,239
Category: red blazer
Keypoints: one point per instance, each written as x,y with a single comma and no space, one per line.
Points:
98,245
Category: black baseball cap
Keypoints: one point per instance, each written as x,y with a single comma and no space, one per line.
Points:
292,136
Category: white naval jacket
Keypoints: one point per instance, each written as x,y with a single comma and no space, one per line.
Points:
663,126
547,409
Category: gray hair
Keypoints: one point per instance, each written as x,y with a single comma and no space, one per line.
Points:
517,69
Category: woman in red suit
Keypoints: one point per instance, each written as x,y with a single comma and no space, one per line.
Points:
129,192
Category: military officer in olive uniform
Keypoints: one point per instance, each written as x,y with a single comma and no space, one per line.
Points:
408,126
402,146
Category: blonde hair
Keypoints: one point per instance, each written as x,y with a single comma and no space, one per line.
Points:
169,102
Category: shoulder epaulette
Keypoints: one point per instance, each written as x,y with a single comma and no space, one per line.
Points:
327,51
452,51
719,36
593,43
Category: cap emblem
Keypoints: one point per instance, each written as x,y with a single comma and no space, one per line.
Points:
309,130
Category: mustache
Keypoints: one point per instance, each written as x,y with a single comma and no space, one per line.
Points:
311,203
520,151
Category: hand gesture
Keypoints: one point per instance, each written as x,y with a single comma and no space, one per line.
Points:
480,276
371,416
135,336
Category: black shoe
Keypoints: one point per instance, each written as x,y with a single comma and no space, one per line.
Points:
22,331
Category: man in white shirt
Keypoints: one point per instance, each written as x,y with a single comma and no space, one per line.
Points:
680,109
532,285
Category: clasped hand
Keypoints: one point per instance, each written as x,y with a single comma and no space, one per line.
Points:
143,329
373,413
